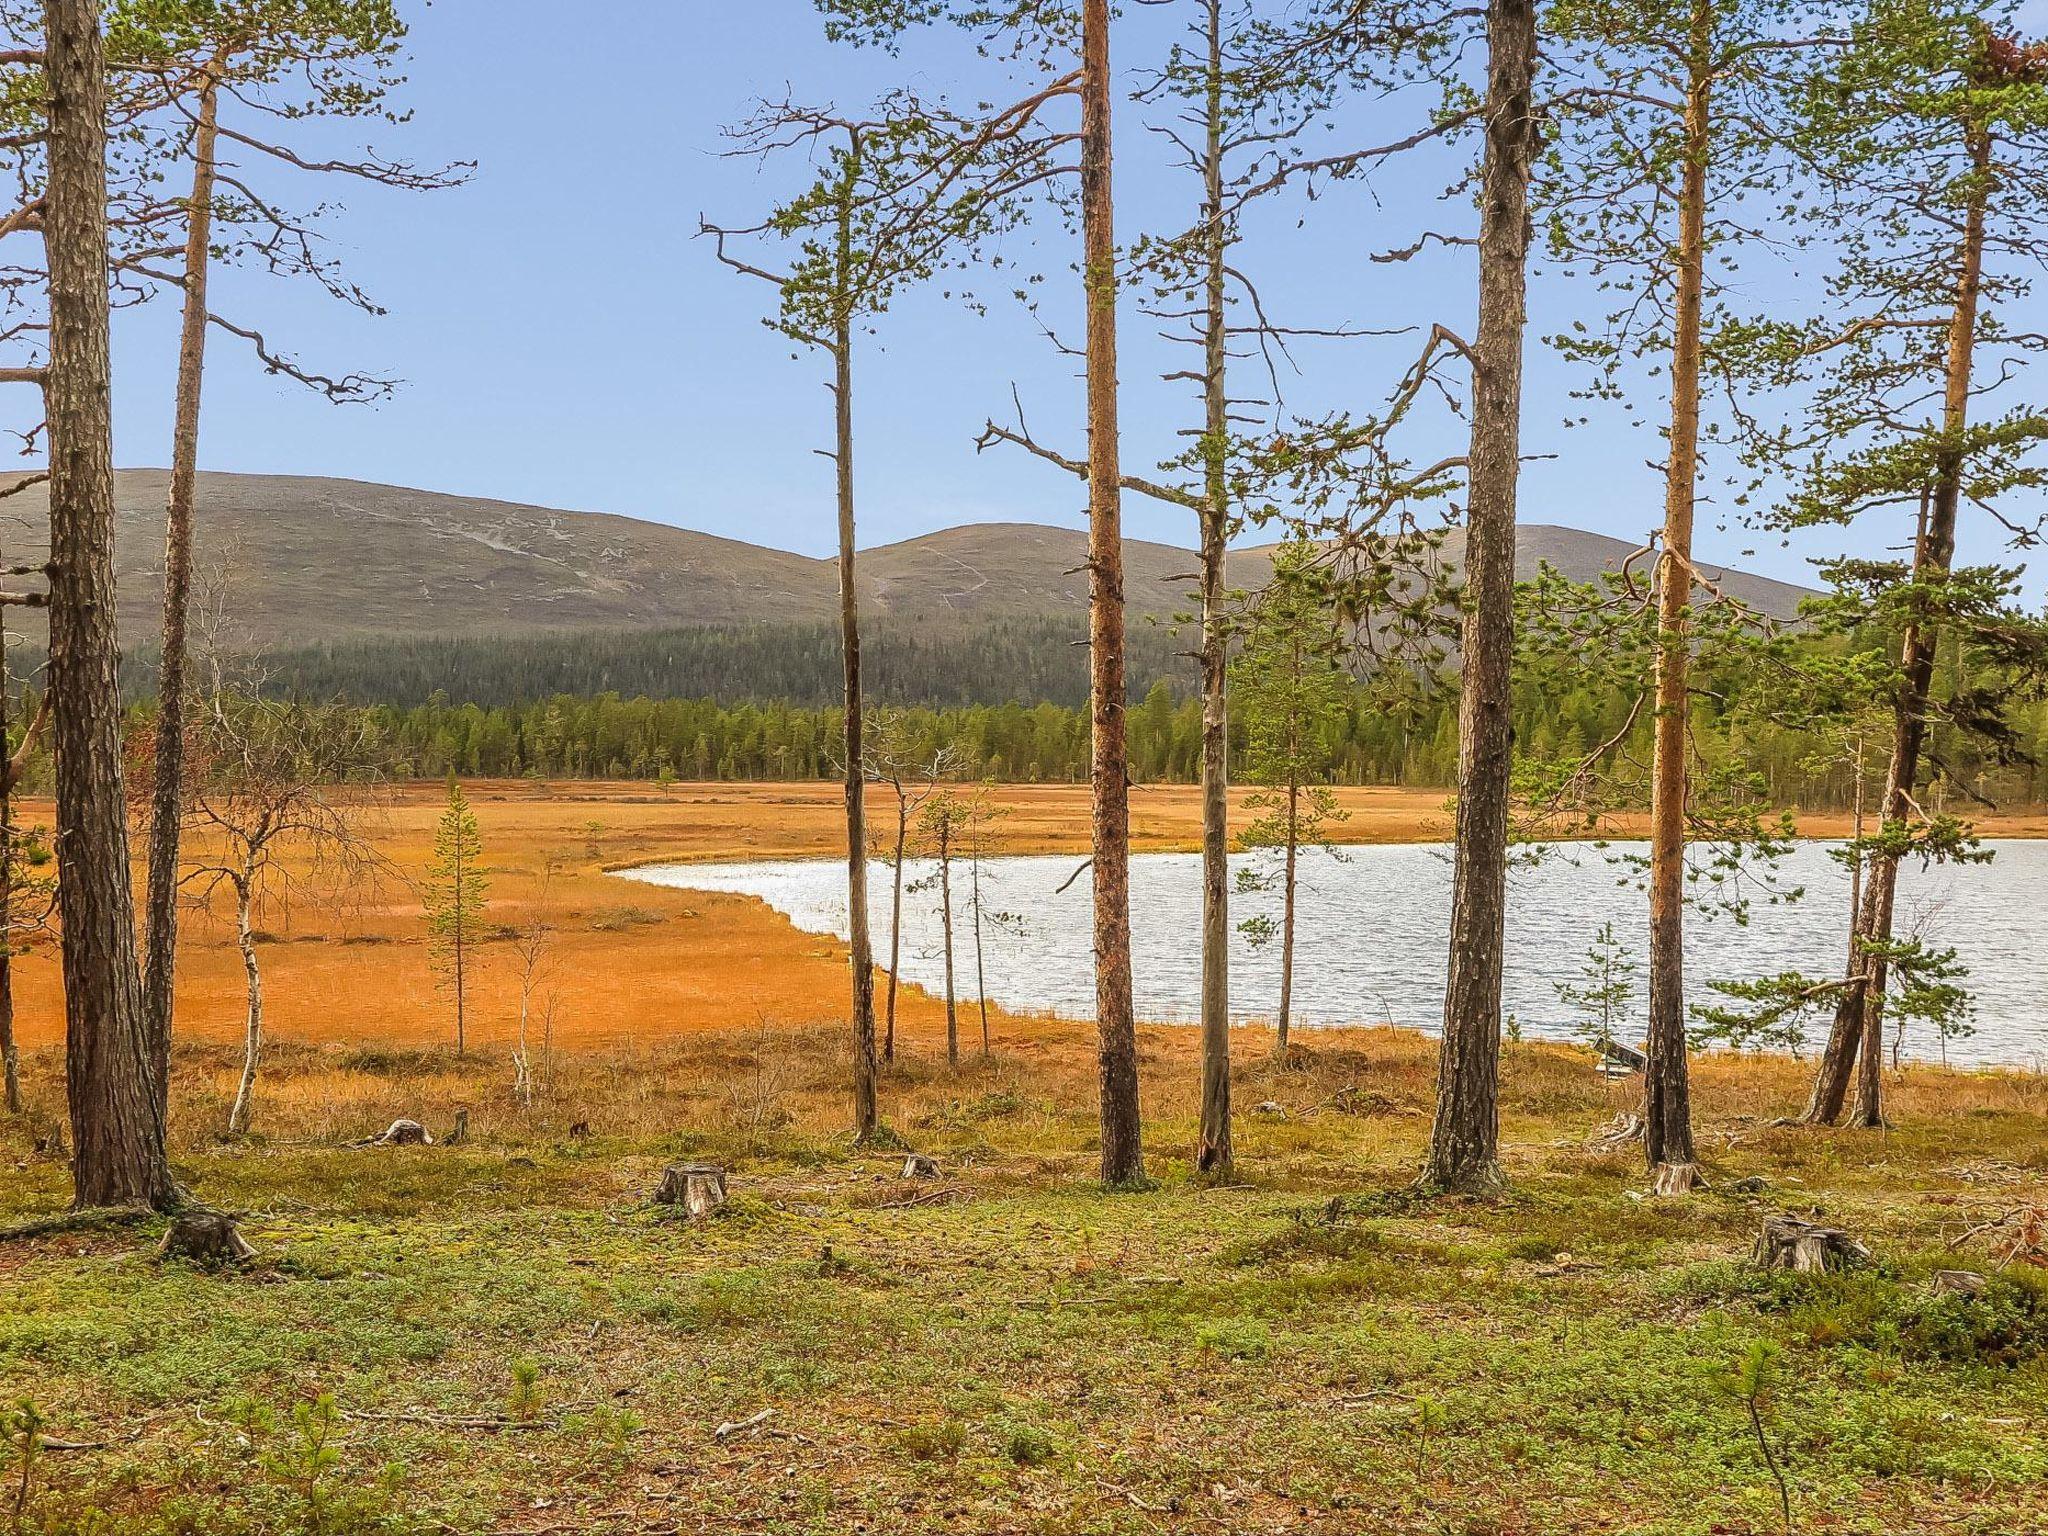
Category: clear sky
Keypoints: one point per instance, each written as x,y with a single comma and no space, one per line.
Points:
566,340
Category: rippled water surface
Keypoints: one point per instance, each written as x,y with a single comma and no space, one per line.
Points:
1371,944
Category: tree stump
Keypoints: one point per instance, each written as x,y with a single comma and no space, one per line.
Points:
917,1166
1616,1133
206,1237
1676,1179
1788,1242
404,1133
460,1134
1958,1282
698,1189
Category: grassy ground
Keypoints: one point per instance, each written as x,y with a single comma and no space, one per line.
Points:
506,1337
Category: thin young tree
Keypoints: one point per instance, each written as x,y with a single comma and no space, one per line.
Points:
454,895
941,824
28,896
893,198
279,801
1291,688
913,770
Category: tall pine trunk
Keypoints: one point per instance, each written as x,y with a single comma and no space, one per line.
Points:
10,1049
167,789
1213,1150
1123,1158
1859,1016
866,1114
1464,1144
117,1123
1667,1115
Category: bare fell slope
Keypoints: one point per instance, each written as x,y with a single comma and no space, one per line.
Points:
312,561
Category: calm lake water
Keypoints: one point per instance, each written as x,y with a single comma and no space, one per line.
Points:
1371,933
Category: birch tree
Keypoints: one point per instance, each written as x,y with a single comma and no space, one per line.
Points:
279,803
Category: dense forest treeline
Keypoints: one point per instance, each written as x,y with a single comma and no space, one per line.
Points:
610,736
945,665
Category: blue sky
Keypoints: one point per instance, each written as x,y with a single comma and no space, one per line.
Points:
566,340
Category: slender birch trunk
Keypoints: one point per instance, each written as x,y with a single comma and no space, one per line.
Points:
980,964
1859,1017
1464,1148
167,791
117,1122
252,1037
896,920
1667,1115
1123,1158
1213,1153
1287,888
946,926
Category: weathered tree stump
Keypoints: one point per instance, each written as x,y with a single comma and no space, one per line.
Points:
1789,1242
206,1237
460,1134
1271,1109
698,1189
917,1166
1958,1282
1675,1179
403,1133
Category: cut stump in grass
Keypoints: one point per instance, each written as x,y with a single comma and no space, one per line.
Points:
1789,1242
1958,1282
917,1166
460,1134
403,1133
697,1189
206,1237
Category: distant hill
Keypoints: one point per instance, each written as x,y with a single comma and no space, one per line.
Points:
317,562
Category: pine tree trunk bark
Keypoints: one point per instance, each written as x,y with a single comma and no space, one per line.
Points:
167,789
1123,1158
1213,1152
1464,1145
117,1127
1667,1087
866,1111
1859,1018
10,1048
252,1034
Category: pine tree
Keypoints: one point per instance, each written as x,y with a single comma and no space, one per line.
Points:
454,894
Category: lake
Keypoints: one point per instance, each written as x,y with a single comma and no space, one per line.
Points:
1370,946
